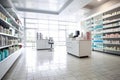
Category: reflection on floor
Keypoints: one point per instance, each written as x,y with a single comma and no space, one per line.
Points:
57,65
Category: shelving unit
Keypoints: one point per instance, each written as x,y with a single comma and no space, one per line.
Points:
106,31
112,31
97,37
10,37
4,34
8,46
89,24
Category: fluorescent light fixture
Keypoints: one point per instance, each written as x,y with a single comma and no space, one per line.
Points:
99,0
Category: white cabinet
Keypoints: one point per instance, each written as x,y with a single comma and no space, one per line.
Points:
43,44
79,48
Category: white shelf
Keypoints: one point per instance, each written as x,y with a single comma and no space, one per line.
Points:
110,27
8,46
4,11
112,43
111,50
8,62
111,38
97,33
112,32
98,49
111,21
98,43
4,34
5,22
110,16
8,24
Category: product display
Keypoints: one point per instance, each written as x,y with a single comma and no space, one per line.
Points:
89,23
98,27
111,14
112,25
97,42
13,49
9,34
112,48
9,31
111,30
4,53
99,36
116,35
105,30
111,21
7,41
2,16
10,38
111,41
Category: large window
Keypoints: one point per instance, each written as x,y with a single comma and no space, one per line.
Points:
49,28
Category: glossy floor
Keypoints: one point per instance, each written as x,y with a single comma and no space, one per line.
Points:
57,65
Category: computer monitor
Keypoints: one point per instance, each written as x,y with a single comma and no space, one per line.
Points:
77,33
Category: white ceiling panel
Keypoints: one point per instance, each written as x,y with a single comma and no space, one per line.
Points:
46,5
75,6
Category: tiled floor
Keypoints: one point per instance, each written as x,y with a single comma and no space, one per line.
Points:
57,65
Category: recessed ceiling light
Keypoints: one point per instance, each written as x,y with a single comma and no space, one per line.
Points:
99,0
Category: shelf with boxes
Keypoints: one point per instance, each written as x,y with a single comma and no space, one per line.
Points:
97,33
5,23
7,17
7,46
7,51
111,32
106,30
89,24
112,25
112,42
111,35
112,51
114,30
97,40
9,30
111,14
112,48
9,20
10,37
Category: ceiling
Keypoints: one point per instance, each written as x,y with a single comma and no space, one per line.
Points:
94,4
67,8
41,6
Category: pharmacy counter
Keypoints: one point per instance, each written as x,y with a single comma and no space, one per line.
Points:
79,48
43,44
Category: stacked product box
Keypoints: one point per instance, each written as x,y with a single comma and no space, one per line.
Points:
3,54
3,40
2,16
7,30
7,41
